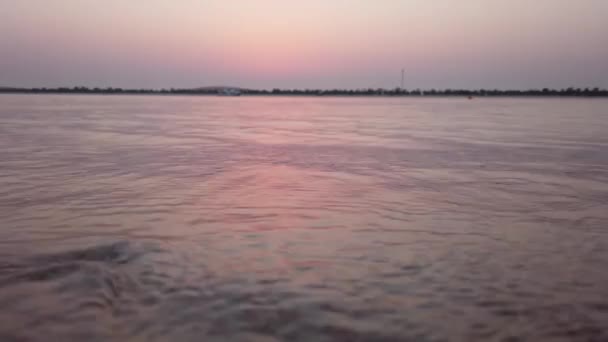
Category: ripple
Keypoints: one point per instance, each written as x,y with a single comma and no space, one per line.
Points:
325,219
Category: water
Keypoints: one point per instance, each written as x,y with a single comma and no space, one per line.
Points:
142,218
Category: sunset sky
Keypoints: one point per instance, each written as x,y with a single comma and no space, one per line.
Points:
304,44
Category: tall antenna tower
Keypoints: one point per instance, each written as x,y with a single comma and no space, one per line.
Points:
402,78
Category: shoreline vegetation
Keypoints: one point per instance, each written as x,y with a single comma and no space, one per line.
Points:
545,92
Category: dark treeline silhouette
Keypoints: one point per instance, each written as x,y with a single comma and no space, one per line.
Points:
569,92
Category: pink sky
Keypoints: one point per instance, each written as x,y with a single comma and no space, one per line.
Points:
313,43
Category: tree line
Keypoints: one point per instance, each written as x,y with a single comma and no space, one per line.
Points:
566,92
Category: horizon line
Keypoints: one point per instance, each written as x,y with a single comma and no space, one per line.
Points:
395,92
359,89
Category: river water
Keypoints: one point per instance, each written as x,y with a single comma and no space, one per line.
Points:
166,218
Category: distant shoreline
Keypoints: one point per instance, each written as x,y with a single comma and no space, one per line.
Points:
546,92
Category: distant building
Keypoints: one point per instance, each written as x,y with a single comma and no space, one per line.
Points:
229,92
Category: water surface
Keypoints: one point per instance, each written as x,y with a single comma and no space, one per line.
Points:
150,218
